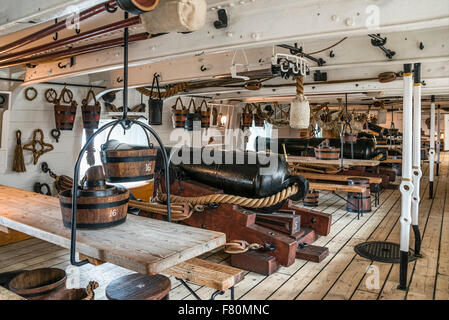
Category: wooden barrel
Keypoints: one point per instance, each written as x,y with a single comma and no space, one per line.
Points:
327,153
127,163
91,116
95,209
65,116
39,283
311,199
353,201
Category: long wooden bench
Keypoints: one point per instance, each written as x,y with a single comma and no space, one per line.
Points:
200,272
343,178
358,190
206,273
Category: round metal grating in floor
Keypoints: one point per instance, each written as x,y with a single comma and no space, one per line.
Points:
381,251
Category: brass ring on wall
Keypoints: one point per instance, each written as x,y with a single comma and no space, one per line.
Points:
27,90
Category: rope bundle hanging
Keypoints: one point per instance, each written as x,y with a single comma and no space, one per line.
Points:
169,92
18,164
300,109
252,203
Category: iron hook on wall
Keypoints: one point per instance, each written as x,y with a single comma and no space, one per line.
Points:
55,37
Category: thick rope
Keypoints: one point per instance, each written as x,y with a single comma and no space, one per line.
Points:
178,212
299,86
253,203
90,290
240,246
169,92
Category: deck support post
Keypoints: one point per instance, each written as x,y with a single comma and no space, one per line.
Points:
406,186
432,146
416,155
438,140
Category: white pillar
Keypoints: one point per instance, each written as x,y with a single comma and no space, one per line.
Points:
438,140
416,155
406,186
432,146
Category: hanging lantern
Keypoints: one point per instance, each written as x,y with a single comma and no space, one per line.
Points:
299,108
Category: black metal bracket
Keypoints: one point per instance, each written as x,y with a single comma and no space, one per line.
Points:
213,296
70,64
126,124
378,41
295,50
55,37
319,76
222,21
108,9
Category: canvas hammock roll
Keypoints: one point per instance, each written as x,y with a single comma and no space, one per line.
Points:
175,16
300,109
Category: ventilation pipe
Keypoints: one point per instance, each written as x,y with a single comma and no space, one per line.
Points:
432,146
416,155
406,186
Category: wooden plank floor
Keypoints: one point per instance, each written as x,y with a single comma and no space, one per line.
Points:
342,275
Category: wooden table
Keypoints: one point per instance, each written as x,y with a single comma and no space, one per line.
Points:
346,162
140,244
339,178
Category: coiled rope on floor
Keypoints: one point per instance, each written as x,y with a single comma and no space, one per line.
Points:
179,211
252,203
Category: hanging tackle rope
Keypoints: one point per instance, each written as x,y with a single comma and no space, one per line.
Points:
169,92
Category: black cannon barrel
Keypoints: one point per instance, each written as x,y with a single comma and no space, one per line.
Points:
239,173
364,147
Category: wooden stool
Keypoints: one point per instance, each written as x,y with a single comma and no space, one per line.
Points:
138,286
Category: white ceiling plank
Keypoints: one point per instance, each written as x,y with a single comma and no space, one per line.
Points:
262,23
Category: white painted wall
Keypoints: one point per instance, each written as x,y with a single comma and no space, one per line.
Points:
38,114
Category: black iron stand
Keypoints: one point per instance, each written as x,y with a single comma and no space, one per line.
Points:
213,296
126,124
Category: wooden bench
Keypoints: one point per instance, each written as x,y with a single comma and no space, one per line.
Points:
358,190
206,273
343,178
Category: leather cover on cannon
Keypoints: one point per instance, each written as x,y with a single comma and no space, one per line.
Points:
284,229
245,174
364,147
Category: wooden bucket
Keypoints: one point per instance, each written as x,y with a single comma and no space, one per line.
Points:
311,199
95,209
353,202
127,163
247,117
350,137
65,113
90,113
98,205
38,284
69,294
327,153
65,116
179,115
